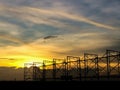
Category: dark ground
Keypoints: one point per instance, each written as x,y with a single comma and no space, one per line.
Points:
59,84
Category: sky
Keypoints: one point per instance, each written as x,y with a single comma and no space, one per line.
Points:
36,30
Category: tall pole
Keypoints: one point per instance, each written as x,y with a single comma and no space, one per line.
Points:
108,63
54,69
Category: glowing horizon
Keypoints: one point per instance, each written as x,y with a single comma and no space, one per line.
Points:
46,29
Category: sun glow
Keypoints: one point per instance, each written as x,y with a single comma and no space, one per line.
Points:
19,61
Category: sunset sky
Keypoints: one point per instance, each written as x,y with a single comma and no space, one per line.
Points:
34,30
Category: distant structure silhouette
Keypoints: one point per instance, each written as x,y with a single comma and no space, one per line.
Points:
91,67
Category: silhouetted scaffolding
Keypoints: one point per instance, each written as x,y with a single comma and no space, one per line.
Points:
47,70
73,67
58,68
102,66
91,67
32,72
28,70
113,62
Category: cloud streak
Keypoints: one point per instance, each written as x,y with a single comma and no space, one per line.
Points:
44,16
11,38
64,15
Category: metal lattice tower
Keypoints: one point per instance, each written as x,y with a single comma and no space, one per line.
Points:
73,66
32,71
28,71
91,67
58,68
113,62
